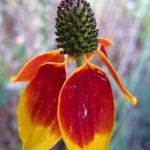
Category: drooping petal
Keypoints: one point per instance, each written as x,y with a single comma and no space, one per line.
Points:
86,109
105,42
37,110
102,48
126,93
30,69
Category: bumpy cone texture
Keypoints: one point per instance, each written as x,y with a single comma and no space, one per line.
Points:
76,27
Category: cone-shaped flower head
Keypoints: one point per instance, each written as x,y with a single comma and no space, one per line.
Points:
76,27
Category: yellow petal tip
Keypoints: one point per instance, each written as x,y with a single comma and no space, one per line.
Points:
134,101
12,79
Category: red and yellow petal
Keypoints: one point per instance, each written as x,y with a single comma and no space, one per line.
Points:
126,93
102,48
86,109
28,72
105,42
37,110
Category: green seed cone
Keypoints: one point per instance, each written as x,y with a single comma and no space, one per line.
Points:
76,27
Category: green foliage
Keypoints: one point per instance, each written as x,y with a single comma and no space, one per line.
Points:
133,126
3,95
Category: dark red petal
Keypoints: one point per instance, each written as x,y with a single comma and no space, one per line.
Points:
37,112
103,50
86,109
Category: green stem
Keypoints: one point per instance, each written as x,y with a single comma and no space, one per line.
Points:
78,60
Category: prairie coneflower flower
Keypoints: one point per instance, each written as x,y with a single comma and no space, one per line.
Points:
79,108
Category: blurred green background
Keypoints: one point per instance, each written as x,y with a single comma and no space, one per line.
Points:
27,28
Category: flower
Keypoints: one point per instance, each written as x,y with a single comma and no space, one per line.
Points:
80,109
85,115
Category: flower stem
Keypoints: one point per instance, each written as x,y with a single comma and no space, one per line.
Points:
78,61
